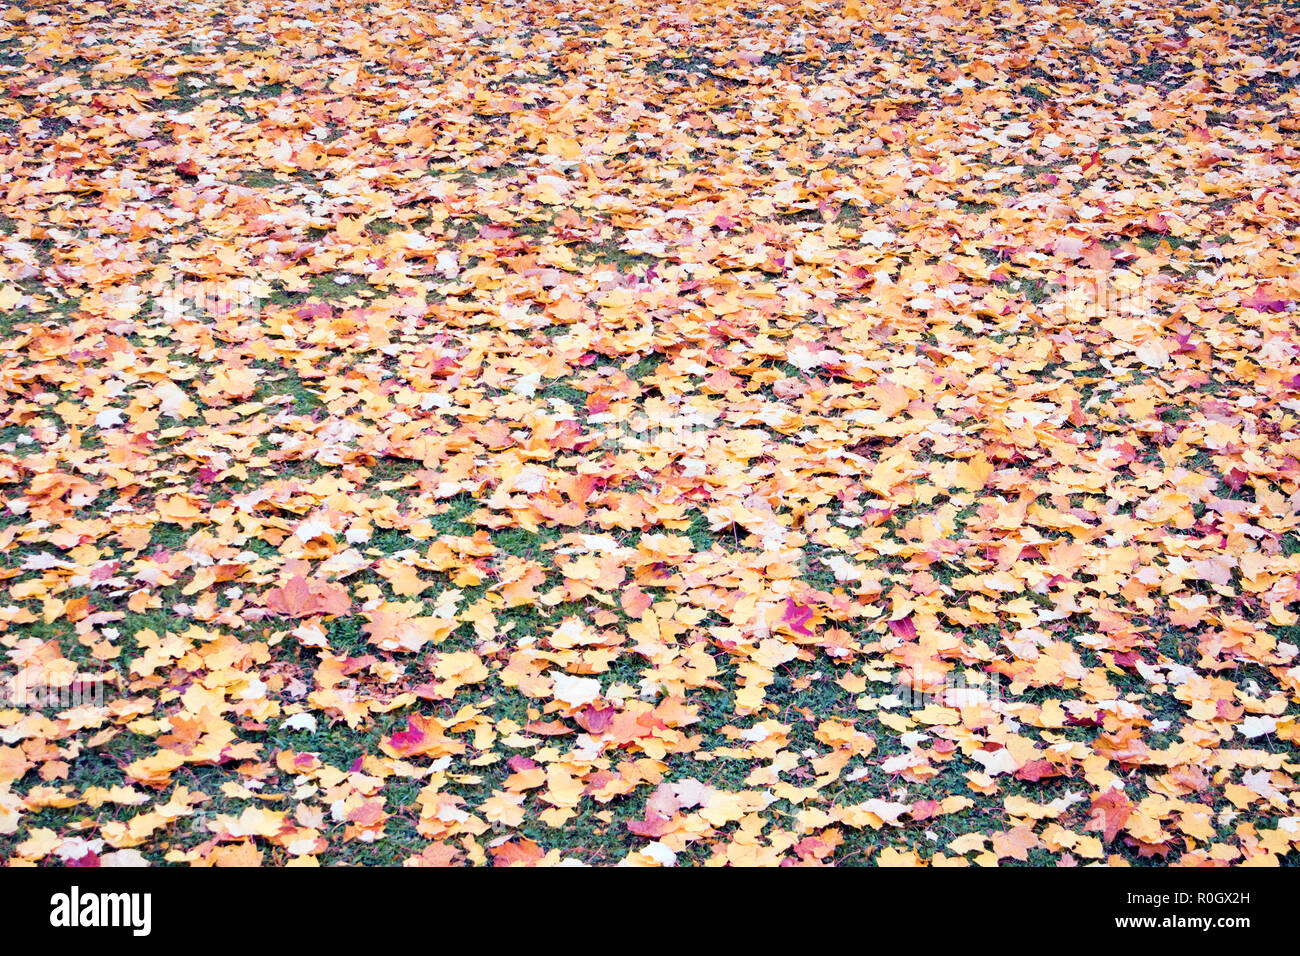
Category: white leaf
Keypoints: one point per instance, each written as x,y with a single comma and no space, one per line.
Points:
996,762
575,691
1253,727
305,722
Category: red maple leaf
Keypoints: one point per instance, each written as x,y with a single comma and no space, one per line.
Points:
1110,812
1036,770
1265,299
307,597
797,615
653,826
524,852
903,627
595,720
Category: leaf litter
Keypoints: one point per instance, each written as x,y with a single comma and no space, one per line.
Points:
653,433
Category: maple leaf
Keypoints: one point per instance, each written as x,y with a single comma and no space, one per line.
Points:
1036,770
423,737
797,616
595,720
1015,843
903,627
521,852
1110,811
653,826
1264,300
308,597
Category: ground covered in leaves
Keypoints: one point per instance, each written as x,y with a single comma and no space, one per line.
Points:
649,432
